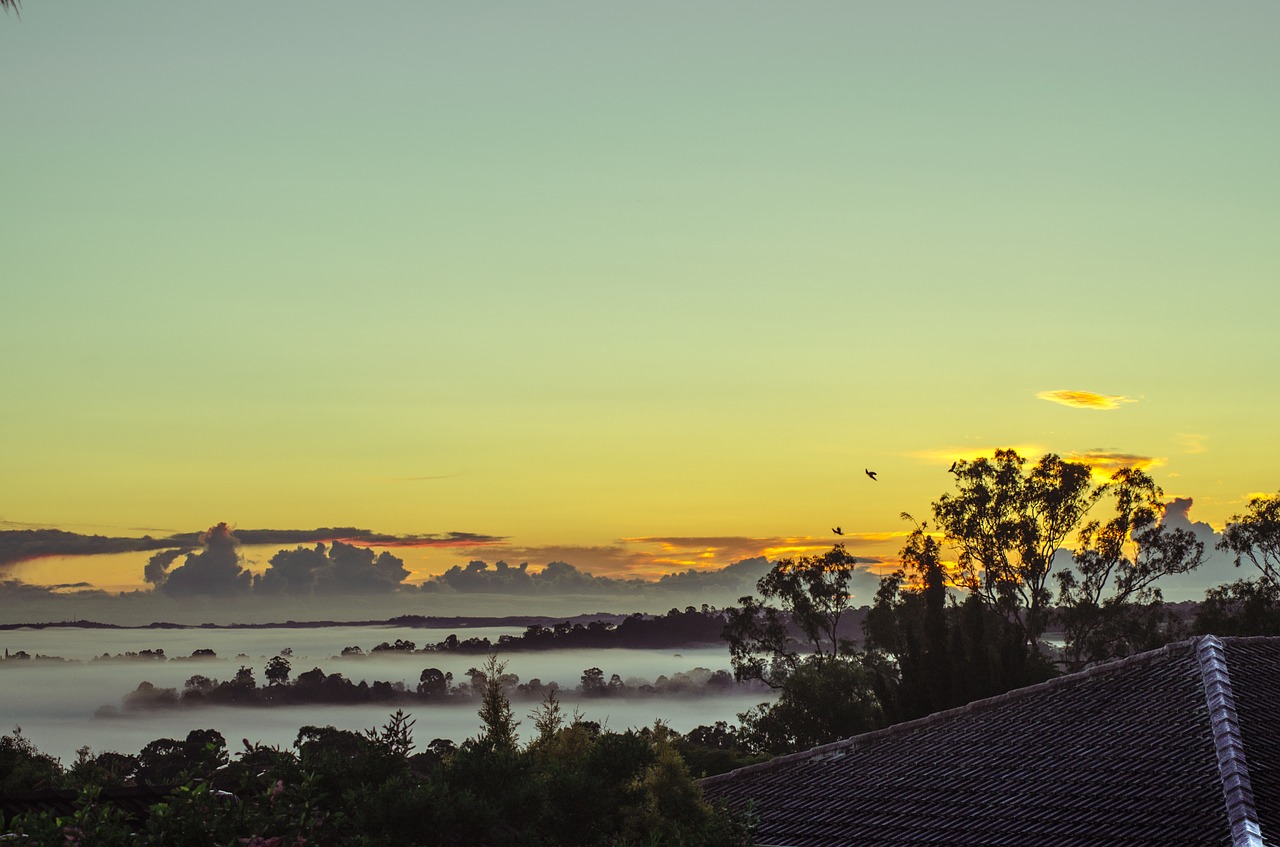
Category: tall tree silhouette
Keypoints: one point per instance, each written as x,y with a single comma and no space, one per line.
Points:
1007,524
797,647
1108,601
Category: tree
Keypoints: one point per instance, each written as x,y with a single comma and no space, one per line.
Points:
593,683
25,768
1006,526
432,682
798,648
814,594
1255,536
495,709
1109,605
1245,607
909,621
1009,525
277,671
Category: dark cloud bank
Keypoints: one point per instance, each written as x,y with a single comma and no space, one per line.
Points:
205,579
22,545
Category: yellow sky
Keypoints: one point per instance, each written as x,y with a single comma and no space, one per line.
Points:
583,274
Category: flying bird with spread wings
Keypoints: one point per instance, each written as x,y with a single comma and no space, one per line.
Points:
871,474
837,530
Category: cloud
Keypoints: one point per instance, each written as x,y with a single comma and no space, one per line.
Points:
22,545
352,535
1085,399
1104,463
341,569
557,578
157,569
701,578
1192,442
651,558
214,571
27,544
1218,567
17,590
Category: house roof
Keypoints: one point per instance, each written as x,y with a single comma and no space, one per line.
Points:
1177,746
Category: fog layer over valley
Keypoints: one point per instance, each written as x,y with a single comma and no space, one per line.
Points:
55,702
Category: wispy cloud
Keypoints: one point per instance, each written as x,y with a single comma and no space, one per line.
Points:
1085,399
947,455
1192,442
1104,462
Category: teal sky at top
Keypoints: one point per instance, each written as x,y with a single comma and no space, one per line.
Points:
624,269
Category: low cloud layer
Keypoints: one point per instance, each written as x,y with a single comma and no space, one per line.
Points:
717,585
1085,399
653,558
24,545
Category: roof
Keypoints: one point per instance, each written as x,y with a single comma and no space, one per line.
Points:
1177,746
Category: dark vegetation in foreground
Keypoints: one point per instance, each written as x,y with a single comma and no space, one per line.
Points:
574,783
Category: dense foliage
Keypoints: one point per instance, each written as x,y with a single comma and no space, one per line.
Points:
573,784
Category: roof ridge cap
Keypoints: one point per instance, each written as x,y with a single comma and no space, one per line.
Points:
1233,770
948,714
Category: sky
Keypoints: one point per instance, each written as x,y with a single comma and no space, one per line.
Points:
639,287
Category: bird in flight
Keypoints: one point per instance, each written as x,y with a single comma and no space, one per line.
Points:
952,469
837,530
871,474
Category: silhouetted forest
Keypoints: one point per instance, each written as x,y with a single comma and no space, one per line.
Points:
434,687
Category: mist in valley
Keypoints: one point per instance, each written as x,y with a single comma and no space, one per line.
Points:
60,704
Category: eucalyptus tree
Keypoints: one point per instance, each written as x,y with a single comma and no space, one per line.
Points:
1006,526
1108,602
1255,536
1011,526
791,640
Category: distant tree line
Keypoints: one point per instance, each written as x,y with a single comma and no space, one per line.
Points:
676,628
434,686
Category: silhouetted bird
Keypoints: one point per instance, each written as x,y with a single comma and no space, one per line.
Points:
837,530
952,469
871,474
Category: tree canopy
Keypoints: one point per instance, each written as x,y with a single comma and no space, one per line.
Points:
1255,536
797,647
1010,526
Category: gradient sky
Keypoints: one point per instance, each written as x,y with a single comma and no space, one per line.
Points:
575,273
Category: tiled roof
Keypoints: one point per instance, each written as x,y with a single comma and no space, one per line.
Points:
1178,746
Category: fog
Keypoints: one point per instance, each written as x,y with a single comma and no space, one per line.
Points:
55,703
